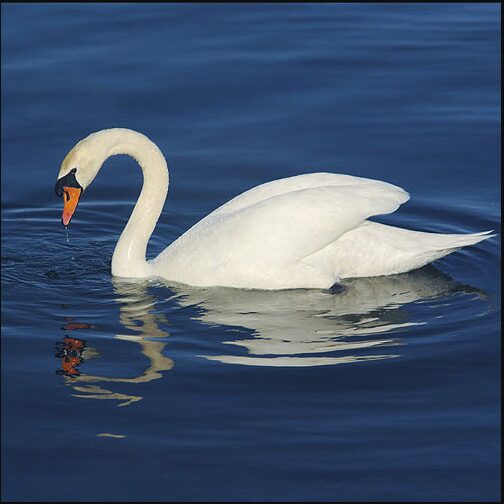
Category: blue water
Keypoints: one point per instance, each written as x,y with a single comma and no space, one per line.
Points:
133,391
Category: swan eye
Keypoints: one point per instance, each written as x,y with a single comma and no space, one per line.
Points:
73,170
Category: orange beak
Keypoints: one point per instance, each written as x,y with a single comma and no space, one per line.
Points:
71,197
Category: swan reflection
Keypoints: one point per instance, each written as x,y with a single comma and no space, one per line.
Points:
289,327
136,315
363,321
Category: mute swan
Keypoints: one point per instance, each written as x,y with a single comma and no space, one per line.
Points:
307,231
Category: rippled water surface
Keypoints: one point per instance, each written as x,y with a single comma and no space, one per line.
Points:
118,390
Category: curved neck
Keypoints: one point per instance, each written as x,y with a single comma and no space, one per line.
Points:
129,254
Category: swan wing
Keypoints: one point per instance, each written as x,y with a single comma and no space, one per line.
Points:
277,230
298,223
305,181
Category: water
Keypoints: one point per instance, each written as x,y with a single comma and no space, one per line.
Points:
112,390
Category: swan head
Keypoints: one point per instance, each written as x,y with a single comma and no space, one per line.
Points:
77,171
83,162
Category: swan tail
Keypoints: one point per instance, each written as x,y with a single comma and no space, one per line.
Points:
443,244
375,249
449,242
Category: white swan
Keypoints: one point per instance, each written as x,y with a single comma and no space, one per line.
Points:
306,231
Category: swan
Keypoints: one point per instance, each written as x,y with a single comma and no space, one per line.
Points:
306,231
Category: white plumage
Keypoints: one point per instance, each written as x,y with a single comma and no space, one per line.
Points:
306,231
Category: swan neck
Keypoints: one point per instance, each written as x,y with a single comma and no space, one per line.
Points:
129,258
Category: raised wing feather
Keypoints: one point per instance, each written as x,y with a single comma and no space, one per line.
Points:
304,181
285,227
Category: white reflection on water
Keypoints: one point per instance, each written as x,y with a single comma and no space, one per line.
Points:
290,326
136,315
280,328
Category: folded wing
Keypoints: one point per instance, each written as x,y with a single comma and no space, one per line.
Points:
270,228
